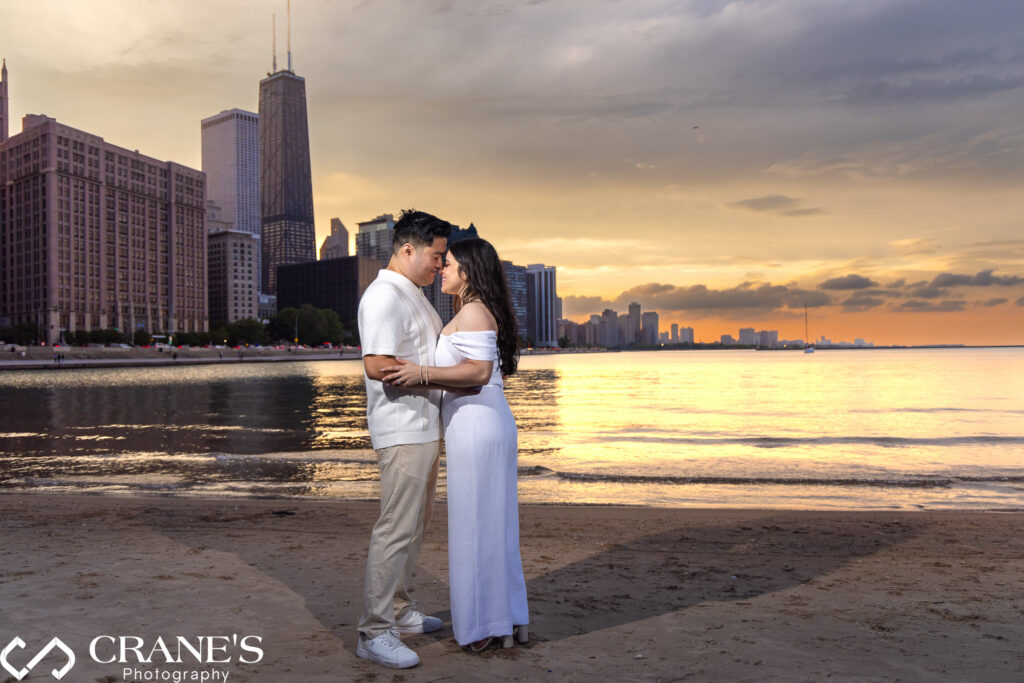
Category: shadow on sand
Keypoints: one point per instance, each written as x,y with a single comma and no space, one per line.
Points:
621,583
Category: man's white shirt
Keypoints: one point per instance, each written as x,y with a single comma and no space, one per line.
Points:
395,319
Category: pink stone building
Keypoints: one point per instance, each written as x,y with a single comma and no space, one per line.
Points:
95,236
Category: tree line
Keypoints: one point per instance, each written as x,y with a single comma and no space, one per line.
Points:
308,324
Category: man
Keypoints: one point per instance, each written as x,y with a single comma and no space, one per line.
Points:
396,321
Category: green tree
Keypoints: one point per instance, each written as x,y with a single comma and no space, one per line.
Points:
25,333
219,335
335,330
110,336
313,327
142,337
246,331
282,325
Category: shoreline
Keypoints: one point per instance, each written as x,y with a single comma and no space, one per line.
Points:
41,358
144,493
84,357
616,592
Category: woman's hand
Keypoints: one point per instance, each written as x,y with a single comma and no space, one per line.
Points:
406,373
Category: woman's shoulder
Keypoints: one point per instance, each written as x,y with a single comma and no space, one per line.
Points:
474,317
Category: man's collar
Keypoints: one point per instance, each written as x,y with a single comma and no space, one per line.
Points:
397,278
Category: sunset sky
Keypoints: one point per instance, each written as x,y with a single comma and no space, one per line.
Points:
724,163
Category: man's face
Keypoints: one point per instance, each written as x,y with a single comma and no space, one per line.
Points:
426,261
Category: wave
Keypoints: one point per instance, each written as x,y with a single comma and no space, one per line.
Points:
918,482
949,409
783,441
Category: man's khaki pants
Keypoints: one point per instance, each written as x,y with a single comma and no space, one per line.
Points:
408,479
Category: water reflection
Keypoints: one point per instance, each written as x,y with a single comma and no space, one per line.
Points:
768,429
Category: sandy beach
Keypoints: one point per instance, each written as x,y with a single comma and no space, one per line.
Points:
616,593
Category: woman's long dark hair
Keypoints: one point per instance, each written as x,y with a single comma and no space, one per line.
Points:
485,280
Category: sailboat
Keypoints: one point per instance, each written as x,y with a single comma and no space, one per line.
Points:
808,346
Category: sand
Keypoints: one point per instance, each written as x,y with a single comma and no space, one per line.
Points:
616,593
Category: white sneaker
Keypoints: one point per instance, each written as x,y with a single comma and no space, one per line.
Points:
414,621
387,649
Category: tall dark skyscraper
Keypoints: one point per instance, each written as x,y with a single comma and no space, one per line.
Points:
3,102
286,186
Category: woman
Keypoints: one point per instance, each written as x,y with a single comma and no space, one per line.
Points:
478,348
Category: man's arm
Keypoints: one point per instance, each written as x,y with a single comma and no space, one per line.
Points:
373,364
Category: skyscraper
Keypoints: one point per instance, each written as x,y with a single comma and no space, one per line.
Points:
634,314
286,186
231,162
233,276
649,325
516,277
3,102
335,245
376,238
540,304
608,330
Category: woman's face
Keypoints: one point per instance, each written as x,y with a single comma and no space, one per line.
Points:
452,281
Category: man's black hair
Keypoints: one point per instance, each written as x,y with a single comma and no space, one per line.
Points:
419,229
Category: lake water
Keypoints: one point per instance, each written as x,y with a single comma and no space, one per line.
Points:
878,429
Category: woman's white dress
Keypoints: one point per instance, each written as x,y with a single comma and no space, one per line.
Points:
485,571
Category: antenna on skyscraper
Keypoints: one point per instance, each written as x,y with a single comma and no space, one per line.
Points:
273,43
289,35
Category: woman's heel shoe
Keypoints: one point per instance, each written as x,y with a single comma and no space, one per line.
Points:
479,646
506,642
522,633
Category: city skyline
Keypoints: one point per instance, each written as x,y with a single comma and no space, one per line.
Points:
866,162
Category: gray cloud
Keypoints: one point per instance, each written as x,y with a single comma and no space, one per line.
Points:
995,250
891,293
775,203
862,302
993,302
1019,302
577,306
928,292
747,296
930,90
771,202
851,281
918,306
984,278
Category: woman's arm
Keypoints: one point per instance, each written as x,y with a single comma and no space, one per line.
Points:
468,373
377,366
473,317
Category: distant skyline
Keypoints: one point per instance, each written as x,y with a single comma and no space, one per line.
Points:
723,163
